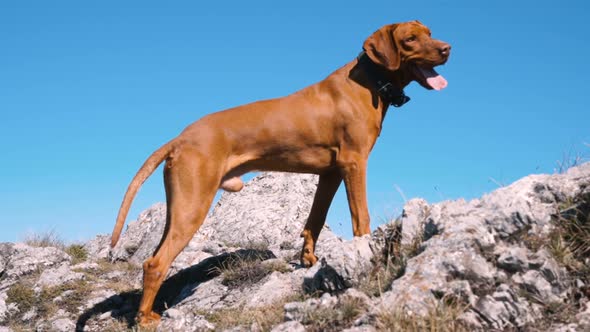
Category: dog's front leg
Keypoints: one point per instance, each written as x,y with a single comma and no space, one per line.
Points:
327,187
354,174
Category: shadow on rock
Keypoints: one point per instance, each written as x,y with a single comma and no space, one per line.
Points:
124,306
325,280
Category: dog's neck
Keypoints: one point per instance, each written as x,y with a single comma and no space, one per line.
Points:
387,85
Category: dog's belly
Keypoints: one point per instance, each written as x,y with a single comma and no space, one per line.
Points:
310,160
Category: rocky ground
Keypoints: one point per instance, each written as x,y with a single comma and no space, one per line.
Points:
515,259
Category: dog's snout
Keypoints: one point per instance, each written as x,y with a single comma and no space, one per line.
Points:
444,49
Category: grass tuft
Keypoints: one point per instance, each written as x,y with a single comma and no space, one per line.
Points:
73,295
52,239
45,239
343,315
442,316
569,242
22,295
242,271
78,253
391,264
256,319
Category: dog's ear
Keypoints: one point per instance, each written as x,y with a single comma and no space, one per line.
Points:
382,49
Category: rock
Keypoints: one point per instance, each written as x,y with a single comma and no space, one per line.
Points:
573,327
341,264
533,282
142,236
276,287
181,321
291,326
63,325
86,266
270,211
362,328
514,259
99,247
57,276
173,313
29,315
413,221
3,306
430,272
470,241
488,257
105,315
98,296
297,311
24,259
503,309
6,251
583,317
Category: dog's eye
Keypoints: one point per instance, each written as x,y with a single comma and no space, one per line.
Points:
410,39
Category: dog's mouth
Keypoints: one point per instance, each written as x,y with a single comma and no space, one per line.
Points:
428,77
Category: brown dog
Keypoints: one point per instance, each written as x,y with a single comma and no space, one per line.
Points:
328,128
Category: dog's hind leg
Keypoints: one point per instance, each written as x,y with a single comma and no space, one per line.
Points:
327,187
190,188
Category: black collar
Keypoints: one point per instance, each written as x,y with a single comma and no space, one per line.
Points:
389,92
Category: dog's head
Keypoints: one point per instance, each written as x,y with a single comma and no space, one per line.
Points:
409,47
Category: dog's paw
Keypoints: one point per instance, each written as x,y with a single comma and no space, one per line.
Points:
308,259
148,320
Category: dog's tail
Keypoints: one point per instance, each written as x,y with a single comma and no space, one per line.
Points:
144,172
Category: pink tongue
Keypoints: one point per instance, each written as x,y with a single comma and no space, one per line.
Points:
433,79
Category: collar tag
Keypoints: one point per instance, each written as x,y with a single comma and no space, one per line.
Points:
396,97
391,94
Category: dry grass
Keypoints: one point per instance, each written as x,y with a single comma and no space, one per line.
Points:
44,239
569,159
16,326
262,319
380,277
261,245
78,253
122,284
391,264
21,294
52,239
569,243
77,294
442,316
343,315
246,270
259,319
105,266
73,295
114,325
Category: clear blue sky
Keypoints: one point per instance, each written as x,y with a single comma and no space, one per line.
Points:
88,89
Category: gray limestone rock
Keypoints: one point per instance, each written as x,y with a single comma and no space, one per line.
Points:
22,259
184,321
477,242
63,325
290,326
57,276
271,209
341,264
514,259
99,247
142,236
472,252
